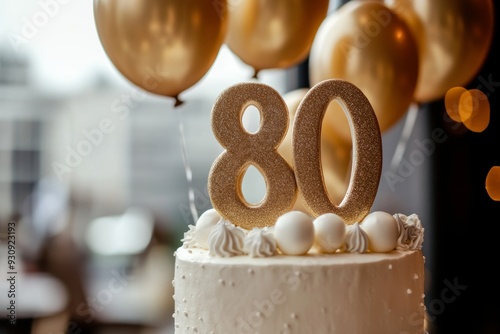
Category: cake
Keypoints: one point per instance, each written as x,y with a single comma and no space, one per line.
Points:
334,271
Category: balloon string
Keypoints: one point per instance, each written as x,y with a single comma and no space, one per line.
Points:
187,168
409,126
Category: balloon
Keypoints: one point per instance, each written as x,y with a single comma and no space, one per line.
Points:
454,38
273,34
366,43
335,154
162,46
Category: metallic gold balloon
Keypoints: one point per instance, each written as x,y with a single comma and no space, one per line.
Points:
335,154
273,34
162,46
454,38
367,44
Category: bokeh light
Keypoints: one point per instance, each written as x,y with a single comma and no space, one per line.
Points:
493,183
451,101
470,107
474,110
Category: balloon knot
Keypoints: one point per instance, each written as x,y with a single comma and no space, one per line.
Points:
178,102
255,74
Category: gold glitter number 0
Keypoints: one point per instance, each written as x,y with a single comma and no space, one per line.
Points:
366,156
243,149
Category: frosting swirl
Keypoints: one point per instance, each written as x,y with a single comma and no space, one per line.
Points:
260,243
411,232
356,240
225,240
189,241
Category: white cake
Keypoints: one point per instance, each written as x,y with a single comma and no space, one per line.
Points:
241,285
331,270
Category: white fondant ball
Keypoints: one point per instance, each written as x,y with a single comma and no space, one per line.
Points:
294,233
204,225
382,231
329,231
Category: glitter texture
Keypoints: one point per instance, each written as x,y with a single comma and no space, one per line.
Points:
243,149
367,150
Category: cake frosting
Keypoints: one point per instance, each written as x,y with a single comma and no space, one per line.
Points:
260,243
243,283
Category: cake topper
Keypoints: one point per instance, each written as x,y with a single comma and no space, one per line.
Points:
243,149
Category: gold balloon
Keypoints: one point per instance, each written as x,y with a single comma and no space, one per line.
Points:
454,38
367,44
335,154
273,34
162,46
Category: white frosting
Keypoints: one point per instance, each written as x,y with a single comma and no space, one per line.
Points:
329,232
382,231
356,240
189,241
411,232
294,233
315,293
226,240
259,243
204,226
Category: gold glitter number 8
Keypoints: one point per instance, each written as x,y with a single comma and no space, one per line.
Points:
243,149
366,156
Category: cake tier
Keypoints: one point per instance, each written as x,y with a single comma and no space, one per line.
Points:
372,293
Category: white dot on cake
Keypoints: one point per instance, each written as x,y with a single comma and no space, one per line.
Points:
173,283
293,316
408,291
184,300
173,315
390,267
250,271
221,281
415,276
285,325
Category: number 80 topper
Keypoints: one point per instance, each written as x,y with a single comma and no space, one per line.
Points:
243,149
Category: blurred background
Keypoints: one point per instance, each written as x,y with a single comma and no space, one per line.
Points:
95,172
